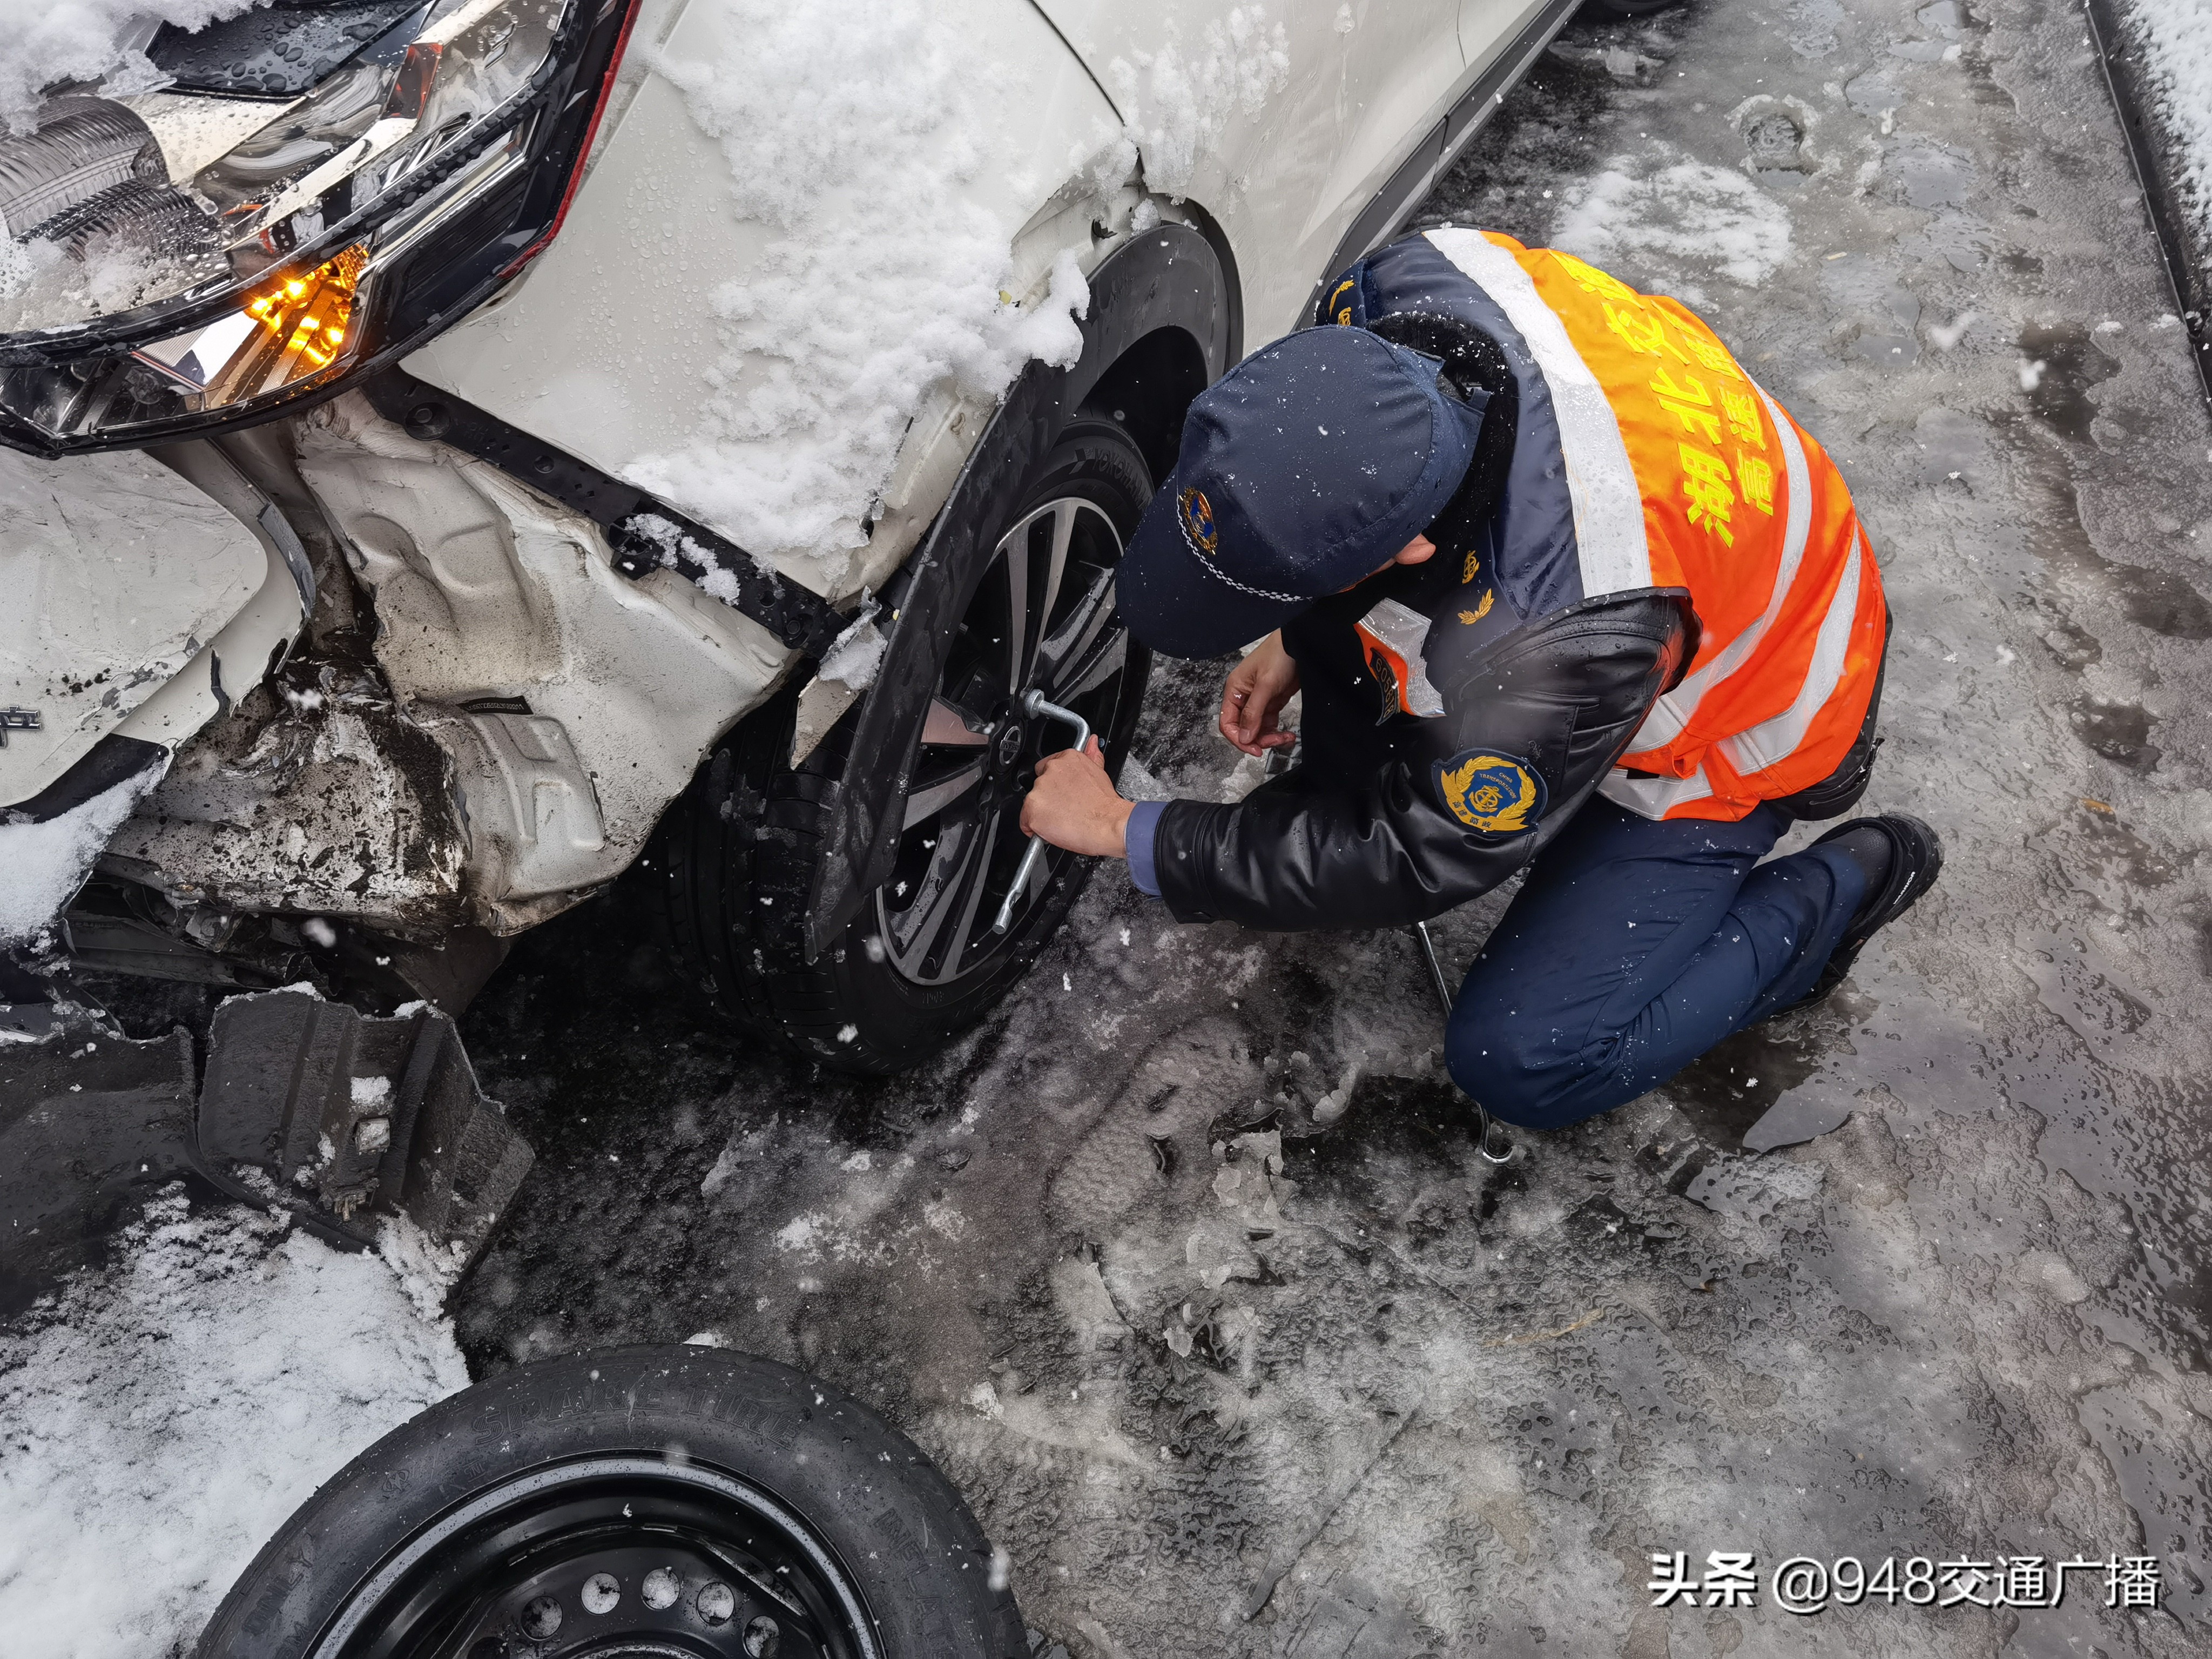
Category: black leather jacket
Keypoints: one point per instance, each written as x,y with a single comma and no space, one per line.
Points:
1359,834
1537,690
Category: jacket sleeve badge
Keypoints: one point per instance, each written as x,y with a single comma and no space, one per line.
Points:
1494,794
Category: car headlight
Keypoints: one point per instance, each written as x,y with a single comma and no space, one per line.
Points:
322,186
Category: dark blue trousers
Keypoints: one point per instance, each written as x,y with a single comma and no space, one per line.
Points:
1633,947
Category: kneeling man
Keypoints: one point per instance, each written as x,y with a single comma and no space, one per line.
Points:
1564,589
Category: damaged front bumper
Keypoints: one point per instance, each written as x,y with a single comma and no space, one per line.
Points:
463,719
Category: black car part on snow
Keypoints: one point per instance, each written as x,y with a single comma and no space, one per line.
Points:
647,1500
303,1104
1161,312
365,1116
453,266
645,534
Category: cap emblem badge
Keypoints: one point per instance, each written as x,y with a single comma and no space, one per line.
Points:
1196,513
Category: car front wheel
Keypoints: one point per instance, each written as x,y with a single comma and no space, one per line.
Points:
922,960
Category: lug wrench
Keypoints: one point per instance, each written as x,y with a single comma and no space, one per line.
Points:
1443,995
1033,704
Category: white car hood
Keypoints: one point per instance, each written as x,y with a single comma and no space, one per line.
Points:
115,571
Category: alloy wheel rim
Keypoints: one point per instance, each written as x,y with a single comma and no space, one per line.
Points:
1042,618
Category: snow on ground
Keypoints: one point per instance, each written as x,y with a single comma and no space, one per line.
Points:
163,1416
2177,36
850,127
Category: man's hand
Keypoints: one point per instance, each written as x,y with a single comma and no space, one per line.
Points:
1252,701
1073,805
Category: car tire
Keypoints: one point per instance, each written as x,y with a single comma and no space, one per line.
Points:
739,855
647,1500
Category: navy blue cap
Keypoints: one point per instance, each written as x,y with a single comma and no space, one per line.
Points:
1304,469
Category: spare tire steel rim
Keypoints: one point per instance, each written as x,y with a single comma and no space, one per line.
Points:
1043,617
635,1557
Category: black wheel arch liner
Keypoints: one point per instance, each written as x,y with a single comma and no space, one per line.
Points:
1173,277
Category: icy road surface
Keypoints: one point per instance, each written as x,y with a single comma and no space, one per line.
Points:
1356,1394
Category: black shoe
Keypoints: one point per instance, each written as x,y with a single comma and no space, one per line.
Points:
1915,858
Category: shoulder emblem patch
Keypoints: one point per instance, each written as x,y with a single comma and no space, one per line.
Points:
1494,794
1196,513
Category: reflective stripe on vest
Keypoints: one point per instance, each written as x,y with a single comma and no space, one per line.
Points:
1772,742
1670,454
1609,501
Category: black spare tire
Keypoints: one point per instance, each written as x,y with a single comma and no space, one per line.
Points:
676,1503
739,854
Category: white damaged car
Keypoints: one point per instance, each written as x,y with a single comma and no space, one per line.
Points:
452,444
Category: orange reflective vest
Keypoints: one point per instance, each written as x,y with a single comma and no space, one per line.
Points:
1684,474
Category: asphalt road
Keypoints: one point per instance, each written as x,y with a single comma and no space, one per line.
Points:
1354,1392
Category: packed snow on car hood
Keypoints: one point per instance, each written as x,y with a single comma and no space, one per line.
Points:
849,127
